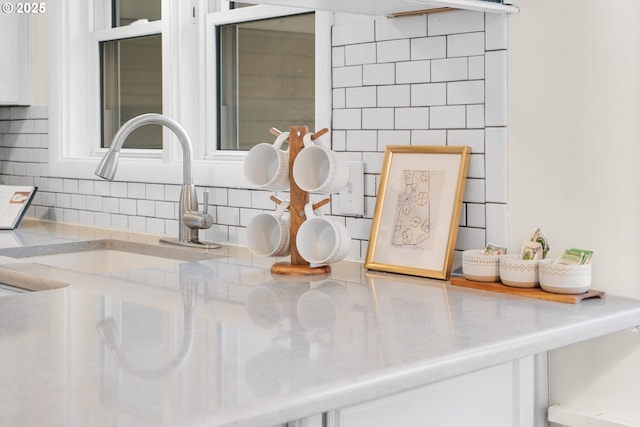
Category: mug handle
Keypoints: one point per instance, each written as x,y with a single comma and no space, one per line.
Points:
308,142
308,211
281,208
280,140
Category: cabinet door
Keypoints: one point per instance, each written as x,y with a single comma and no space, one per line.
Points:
500,396
15,69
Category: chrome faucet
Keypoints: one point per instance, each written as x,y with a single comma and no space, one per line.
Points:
191,220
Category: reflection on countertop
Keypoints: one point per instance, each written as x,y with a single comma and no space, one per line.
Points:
222,341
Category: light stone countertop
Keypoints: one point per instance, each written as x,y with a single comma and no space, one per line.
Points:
222,342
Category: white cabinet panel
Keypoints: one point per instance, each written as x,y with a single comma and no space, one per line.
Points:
500,396
15,69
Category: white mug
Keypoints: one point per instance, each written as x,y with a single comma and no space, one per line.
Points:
267,166
320,240
317,169
268,234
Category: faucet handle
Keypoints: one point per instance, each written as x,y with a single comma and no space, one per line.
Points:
205,201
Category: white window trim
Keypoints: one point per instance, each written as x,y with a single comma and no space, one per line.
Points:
188,97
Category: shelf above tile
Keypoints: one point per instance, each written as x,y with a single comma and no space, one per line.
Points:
393,7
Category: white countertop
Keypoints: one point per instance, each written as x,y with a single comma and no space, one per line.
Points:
221,342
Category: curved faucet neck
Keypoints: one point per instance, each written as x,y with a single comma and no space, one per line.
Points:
158,119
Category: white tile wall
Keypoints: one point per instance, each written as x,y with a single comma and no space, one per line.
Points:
437,79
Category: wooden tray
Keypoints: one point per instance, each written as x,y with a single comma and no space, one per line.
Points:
526,292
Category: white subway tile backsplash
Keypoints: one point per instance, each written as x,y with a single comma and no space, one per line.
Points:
475,116
394,96
496,31
378,74
377,118
429,137
119,222
154,191
413,72
447,117
166,210
496,164
475,215
465,92
347,119
111,205
476,166
428,94
146,208
412,118
401,28
467,44
338,56
364,53
347,76
339,98
393,137
448,70
496,88
85,186
474,191
128,207
136,190
94,203
78,201
394,51
63,200
361,97
352,33
362,140
239,198
339,140
428,48
470,238
229,216
155,226
118,189
473,138
459,21
497,224
476,67
100,188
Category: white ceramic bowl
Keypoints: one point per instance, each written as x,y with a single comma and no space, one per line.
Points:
564,279
479,267
517,272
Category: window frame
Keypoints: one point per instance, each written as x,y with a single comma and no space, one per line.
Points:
188,37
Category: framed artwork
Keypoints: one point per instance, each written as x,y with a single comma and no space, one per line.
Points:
415,222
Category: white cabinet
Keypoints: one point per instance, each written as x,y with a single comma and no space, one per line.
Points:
512,394
15,70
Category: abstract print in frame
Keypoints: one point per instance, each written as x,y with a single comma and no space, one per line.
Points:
415,222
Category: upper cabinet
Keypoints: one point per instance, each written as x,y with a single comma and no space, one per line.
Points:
15,48
393,7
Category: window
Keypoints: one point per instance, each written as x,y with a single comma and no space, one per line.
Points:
131,84
126,61
267,78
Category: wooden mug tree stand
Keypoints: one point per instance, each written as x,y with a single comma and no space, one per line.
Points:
298,199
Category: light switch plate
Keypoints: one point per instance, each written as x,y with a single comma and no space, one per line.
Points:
350,201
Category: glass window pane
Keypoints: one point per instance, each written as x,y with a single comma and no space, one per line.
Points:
267,79
127,11
131,84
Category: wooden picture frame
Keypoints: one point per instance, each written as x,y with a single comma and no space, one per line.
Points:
417,213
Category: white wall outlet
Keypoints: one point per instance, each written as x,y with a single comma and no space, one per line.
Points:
350,201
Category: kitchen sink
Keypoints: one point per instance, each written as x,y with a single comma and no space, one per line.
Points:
105,255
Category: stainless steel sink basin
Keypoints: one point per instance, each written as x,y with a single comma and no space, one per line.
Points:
106,255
